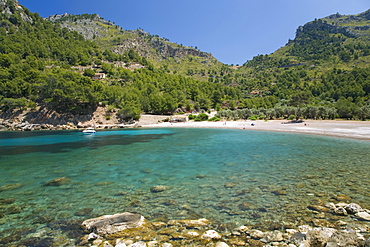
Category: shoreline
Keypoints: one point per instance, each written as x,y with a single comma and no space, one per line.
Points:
359,130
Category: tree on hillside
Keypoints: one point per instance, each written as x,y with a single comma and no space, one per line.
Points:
89,73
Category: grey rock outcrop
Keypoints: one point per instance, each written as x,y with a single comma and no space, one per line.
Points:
145,44
109,224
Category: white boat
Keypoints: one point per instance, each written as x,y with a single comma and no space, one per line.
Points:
89,130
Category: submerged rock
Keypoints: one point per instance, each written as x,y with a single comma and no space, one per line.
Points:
245,206
109,224
83,212
278,192
190,223
340,211
58,181
318,208
159,188
342,198
211,234
13,210
7,201
11,187
363,216
353,208
229,185
322,223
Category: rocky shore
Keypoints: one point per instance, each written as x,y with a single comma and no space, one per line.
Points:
44,119
133,230
26,126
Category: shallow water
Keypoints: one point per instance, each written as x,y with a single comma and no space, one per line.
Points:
236,177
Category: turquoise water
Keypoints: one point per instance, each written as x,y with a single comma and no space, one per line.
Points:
235,177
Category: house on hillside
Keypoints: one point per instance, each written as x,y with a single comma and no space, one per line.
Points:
99,76
256,93
133,66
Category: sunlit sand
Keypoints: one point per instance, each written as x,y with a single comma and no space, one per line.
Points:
347,129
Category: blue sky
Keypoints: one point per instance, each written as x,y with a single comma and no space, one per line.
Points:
234,31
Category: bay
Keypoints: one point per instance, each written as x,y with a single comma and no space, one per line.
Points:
234,177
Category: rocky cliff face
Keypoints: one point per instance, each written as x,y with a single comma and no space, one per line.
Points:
157,48
43,118
315,28
90,26
350,24
11,7
167,50
147,45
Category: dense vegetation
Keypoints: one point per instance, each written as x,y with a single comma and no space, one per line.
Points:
323,73
36,68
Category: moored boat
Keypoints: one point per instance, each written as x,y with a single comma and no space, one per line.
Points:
89,130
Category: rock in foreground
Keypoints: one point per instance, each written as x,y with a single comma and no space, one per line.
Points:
132,230
109,224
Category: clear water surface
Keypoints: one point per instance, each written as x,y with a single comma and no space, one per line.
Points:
235,177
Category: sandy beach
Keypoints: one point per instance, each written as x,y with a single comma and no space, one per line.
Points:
335,128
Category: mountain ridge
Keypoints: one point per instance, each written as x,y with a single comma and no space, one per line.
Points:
90,26
51,64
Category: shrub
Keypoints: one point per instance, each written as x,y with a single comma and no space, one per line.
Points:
253,117
201,117
214,119
110,108
192,117
291,117
32,104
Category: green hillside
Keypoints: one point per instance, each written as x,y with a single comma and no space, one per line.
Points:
45,64
322,73
160,52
